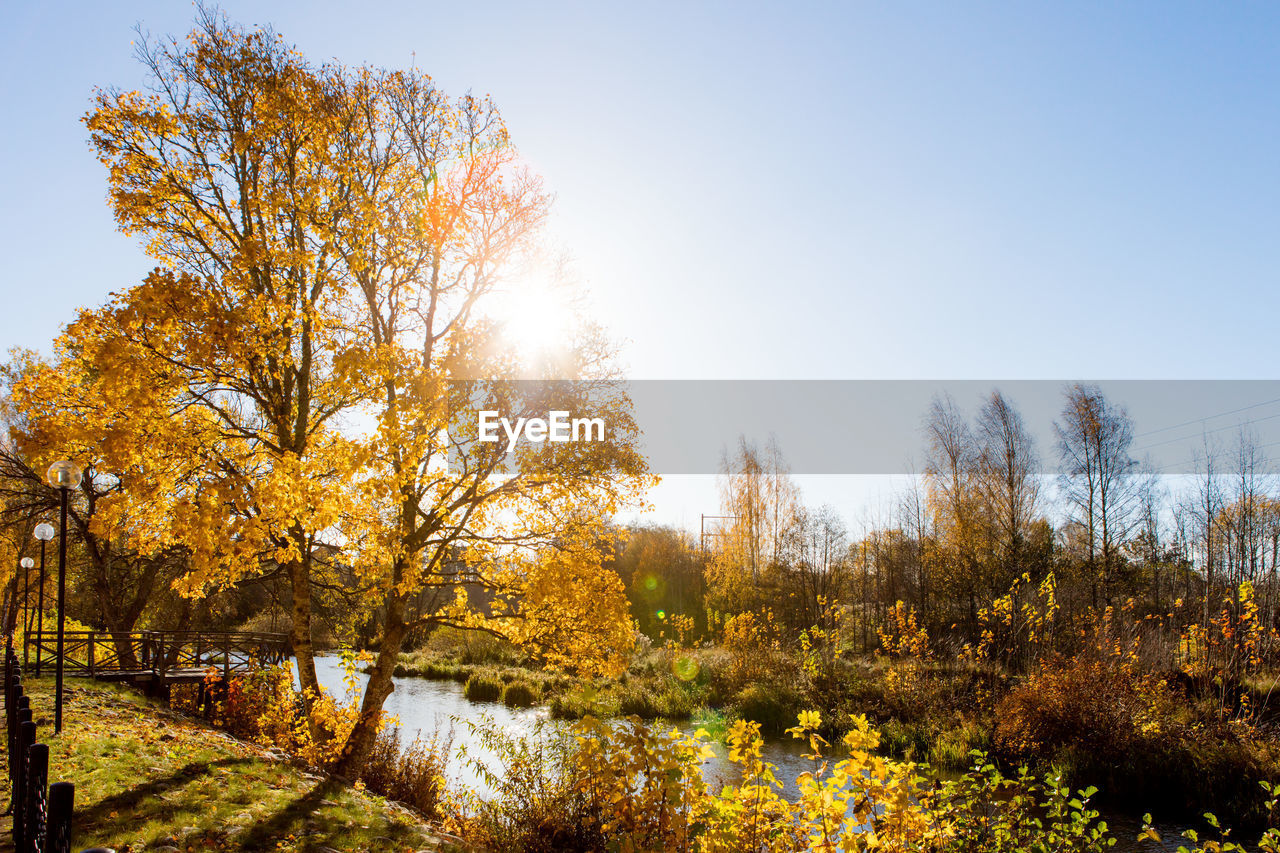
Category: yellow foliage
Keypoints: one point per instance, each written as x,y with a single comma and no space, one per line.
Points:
1019,624
568,609
901,635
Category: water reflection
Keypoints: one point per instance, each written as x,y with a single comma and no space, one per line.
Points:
427,706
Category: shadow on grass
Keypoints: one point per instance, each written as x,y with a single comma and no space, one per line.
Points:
298,819
134,801
264,834
143,804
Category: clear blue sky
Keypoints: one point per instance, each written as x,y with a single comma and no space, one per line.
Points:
793,190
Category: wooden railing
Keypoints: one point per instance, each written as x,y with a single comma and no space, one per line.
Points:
160,653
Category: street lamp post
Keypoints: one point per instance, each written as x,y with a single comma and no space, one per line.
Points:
63,476
27,563
43,532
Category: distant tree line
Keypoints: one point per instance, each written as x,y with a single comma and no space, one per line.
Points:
990,513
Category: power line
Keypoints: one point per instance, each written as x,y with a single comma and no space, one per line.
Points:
1161,469
1208,418
1208,432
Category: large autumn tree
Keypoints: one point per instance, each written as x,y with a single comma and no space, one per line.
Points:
316,339
448,225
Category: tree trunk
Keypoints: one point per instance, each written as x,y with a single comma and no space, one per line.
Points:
11,607
300,640
376,691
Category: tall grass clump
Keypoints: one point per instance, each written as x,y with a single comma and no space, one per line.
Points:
769,705
481,687
519,694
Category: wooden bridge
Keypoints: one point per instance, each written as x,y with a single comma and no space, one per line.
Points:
154,660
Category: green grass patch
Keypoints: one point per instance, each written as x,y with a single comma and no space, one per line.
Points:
148,777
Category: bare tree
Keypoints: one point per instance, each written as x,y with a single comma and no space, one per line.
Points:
757,492
820,563
913,511
951,476
1203,508
1009,479
1094,437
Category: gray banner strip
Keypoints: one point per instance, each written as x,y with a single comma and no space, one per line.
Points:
875,427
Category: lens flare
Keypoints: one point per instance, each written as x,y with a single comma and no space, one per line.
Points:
685,668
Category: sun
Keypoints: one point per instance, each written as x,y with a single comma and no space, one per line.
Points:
536,320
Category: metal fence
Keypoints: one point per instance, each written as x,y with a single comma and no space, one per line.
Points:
41,813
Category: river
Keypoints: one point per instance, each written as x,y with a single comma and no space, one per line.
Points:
428,706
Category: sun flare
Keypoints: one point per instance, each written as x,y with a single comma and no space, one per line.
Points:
535,320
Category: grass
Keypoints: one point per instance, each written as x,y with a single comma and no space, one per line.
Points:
147,777
483,688
520,694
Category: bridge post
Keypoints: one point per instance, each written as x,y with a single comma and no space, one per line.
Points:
161,661
91,638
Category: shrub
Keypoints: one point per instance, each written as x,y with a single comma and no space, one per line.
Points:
472,647
413,775
1100,709
1123,730
519,694
249,699
482,688
628,786
536,806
